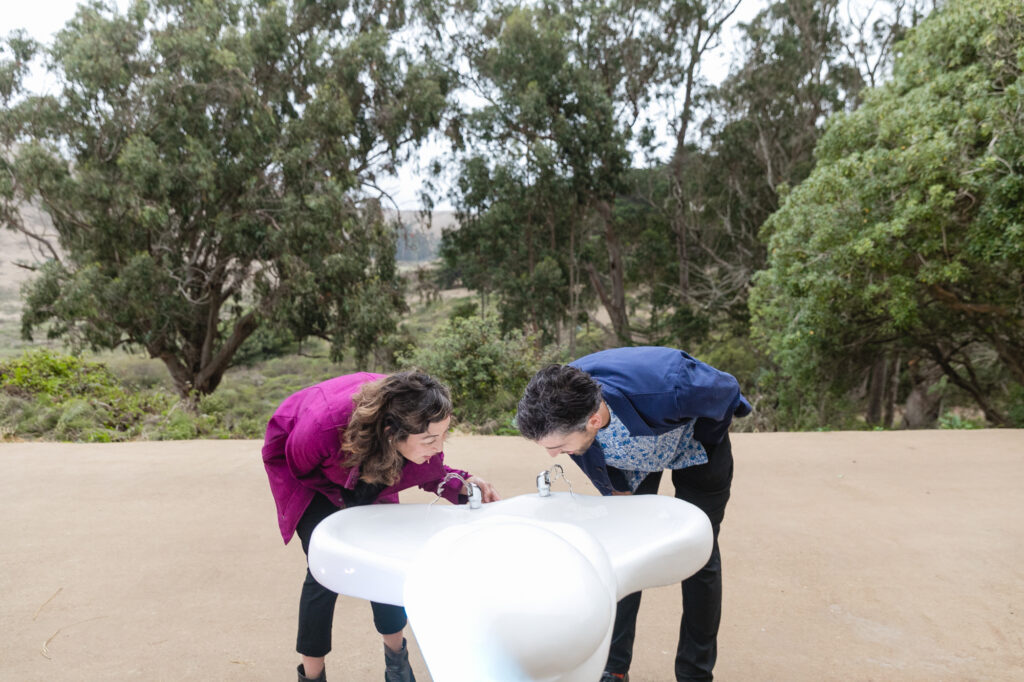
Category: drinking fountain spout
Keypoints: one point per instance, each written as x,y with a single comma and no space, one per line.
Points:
474,495
545,478
544,483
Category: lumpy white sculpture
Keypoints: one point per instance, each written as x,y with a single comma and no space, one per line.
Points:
521,589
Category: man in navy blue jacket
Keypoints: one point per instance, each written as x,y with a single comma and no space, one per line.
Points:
624,416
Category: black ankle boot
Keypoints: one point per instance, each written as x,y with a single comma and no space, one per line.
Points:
396,665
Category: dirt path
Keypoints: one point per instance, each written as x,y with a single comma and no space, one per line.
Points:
848,556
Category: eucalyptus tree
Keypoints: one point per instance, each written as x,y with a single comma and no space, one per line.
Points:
508,244
209,167
762,124
797,63
906,241
569,93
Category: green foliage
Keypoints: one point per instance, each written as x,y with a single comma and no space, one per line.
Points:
906,242
566,92
50,396
952,420
555,217
1015,411
736,355
485,369
464,309
511,244
266,342
763,123
67,398
205,167
59,376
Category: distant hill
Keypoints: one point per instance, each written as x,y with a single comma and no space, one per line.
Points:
15,249
420,236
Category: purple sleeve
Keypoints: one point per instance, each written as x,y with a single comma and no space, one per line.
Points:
452,489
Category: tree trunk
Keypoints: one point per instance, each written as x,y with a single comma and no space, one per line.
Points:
613,298
678,211
574,294
889,407
877,388
921,410
969,383
679,228
179,373
209,376
205,379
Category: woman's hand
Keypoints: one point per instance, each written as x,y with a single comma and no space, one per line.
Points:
487,491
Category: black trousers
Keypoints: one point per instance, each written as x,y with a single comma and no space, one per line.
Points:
706,486
316,605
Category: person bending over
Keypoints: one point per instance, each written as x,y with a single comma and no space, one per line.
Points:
624,416
353,440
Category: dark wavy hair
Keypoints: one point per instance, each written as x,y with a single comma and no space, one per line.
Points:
558,399
386,412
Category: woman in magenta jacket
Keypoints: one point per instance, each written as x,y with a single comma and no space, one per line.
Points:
353,440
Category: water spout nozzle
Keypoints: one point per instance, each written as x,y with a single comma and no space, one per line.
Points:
545,478
474,495
544,484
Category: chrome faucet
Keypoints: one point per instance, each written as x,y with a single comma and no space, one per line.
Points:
544,483
545,478
475,497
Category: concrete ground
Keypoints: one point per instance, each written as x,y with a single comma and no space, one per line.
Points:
848,556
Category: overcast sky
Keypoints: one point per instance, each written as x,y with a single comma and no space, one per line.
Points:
43,18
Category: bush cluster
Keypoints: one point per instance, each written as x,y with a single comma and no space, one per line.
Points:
53,396
485,369
47,395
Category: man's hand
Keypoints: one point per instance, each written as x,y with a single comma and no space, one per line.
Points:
487,491
621,492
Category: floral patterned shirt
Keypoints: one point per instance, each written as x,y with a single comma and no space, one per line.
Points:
638,456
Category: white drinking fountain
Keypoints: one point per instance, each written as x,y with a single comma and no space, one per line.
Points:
515,590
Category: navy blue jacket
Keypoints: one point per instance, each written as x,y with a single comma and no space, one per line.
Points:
653,390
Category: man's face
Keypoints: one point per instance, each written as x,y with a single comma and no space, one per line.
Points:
572,443
576,442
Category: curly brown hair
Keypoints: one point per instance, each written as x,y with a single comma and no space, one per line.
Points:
386,412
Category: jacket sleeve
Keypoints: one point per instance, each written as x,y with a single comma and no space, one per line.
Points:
452,489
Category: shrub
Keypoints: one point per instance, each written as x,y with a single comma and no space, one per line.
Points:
63,397
485,369
179,425
955,420
1015,408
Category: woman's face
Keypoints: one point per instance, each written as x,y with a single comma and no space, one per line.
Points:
420,447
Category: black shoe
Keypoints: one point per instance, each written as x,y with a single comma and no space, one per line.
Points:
614,677
396,665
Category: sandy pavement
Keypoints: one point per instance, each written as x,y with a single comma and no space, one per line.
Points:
847,556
